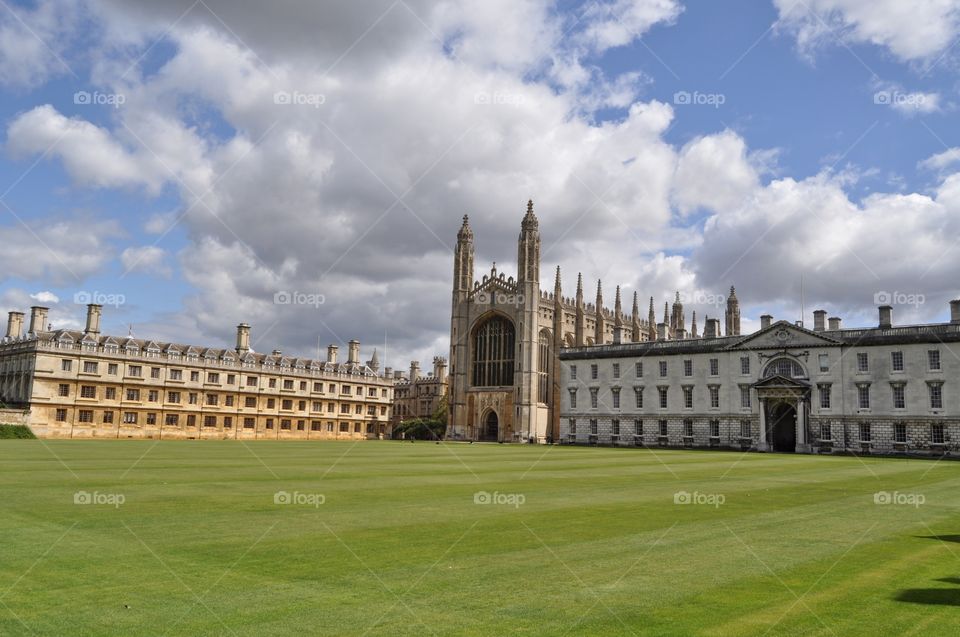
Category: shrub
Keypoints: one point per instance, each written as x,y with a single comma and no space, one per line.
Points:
15,431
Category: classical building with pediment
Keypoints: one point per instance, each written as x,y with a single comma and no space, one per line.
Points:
506,336
886,389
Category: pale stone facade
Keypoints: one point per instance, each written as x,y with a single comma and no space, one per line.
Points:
417,395
887,389
81,384
506,334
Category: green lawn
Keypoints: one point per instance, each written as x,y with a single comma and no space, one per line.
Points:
187,540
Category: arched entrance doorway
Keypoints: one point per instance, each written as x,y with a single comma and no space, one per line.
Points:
782,421
491,427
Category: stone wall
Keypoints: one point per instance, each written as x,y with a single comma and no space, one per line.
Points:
14,417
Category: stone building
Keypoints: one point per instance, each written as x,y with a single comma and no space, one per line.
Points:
506,335
883,389
81,384
418,395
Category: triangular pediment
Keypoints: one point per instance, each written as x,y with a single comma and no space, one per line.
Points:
783,335
778,380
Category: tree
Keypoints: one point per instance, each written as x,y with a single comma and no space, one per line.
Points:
422,428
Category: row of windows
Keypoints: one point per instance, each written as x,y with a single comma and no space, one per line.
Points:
934,389
662,393
898,390
896,361
134,394
173,420
662,427
865,431
213,378
663,369
782,366
937,430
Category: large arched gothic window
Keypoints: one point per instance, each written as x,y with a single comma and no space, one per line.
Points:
785,367
494,345
544,367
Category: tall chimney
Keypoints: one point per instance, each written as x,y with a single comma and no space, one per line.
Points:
440,368
955,311
93,319
819,320
38,319
353,352
15,325
886,316
414,370
398,374
834,322
243,338
332,354
387,372
765,321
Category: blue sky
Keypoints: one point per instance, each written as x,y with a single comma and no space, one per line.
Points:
798,153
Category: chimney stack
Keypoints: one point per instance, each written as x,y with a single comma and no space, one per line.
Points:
765,321
332,354
834,322
93,319
38,319
955,311
819,320
243,338
398,374
414,370
276,352
440,368
886,316
15,325
387,372
353,352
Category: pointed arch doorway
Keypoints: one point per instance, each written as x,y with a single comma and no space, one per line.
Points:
491,427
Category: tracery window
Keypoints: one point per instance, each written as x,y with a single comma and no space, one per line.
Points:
494,345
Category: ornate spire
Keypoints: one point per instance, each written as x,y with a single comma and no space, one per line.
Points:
556,282
732,315
530,221
651,322
528,249
599,322
465,234
579,288
666,313
693,326
618,307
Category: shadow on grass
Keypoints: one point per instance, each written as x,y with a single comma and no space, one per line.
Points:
935,596
949,580
942,538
